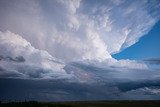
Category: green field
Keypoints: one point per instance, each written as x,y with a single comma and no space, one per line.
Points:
84,104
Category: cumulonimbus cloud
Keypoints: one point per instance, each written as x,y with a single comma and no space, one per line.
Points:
19,59
71,30
42,32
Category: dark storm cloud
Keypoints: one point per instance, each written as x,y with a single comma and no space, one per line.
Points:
4,73
133,85
16,59
63,90
50,90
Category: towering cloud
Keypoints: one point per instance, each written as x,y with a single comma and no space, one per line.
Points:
37,34
74,29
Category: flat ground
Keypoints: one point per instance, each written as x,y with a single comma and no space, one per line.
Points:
84,104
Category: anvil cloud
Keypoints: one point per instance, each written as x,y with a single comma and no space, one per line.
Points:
77,30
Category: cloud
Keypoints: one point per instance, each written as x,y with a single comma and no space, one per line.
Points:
69,43
46,36
152,90
18,56
93,72
153,60
121,25
153,63
60,90
17,59
78,30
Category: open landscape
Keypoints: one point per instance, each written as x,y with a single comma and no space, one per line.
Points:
148,103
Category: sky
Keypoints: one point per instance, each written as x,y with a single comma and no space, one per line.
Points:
62,50
148,46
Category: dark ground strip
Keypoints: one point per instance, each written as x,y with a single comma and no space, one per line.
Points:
154,103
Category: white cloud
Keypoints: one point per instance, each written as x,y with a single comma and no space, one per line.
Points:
19,59
74,29
126,22
37,63
71,30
